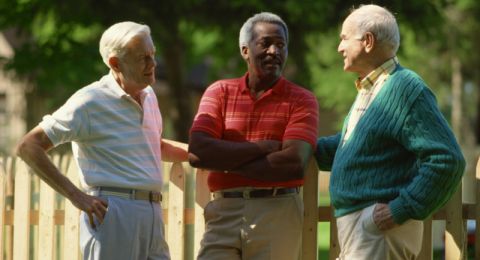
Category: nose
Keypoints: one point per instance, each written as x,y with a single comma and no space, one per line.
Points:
340,47
273,49
151,62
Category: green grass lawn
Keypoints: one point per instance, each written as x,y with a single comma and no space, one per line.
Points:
323,230
323,240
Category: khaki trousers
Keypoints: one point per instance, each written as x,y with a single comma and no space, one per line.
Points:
253,229
360,239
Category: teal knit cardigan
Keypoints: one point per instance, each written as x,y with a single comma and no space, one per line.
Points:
401,152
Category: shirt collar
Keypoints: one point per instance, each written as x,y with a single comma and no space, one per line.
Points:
113,85
277,88
386,68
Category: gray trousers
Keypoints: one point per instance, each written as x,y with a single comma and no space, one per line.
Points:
132,229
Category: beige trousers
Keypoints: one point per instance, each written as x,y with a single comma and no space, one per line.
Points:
253,229
360,239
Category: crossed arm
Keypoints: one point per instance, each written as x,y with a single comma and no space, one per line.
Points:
266,160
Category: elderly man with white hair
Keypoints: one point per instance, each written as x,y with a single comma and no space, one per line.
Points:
115,127
396,161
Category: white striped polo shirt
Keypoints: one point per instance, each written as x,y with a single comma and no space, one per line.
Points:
115,142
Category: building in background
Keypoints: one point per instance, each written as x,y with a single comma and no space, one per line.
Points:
13,103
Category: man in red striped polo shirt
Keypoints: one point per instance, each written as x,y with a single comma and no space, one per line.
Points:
256,134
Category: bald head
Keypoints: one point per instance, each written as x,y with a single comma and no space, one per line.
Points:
380,22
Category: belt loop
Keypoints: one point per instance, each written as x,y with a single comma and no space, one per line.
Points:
150,196
133,194
274,191
246,194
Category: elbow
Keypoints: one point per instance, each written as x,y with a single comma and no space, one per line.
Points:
300,172
460,164
193,160
298,168
457,164
21,148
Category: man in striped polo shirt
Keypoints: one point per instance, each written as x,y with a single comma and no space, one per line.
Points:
256,134
115,128
396,161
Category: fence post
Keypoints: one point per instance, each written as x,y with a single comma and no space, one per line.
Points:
334,246
9,166
202,197
454,233
427,244
21,216
71,240
176,205
477,212
46,243
3,187
310,222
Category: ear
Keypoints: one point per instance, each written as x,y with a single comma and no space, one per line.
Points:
370,41
114,63
245,52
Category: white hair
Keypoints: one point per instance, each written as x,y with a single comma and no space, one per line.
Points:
117,36
246,32
380,22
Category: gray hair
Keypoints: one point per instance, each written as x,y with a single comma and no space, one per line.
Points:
117,36
380,22
246,32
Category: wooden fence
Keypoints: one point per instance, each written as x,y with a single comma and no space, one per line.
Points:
37,223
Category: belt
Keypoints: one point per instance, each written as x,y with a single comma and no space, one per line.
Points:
259,193
152,196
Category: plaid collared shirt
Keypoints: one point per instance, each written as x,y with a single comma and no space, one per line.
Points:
368,89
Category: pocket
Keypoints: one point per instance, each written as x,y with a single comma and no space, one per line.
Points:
368,224
106,217
208,212
299,206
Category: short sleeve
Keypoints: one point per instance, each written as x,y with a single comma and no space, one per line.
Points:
68,123
303,123
209,118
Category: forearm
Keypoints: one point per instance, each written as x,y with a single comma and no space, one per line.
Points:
433,185
216,154
325,152
36,157
285,165
174,151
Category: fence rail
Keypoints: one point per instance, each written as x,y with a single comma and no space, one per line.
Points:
37,223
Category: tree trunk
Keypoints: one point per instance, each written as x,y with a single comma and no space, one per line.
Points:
457,94
178,89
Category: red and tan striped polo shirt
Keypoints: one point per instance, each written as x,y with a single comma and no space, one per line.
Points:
229,112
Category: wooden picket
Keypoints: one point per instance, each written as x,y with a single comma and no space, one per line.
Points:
202,197
16,181
3,181
71,239
176,205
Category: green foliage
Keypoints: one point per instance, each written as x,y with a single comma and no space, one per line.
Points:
334,87
59,46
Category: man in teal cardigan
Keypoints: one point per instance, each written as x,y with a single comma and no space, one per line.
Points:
396,160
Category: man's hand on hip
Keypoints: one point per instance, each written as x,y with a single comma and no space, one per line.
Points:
93,206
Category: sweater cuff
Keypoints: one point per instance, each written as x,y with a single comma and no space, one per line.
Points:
399,211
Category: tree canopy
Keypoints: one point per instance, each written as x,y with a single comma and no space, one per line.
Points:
59,47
